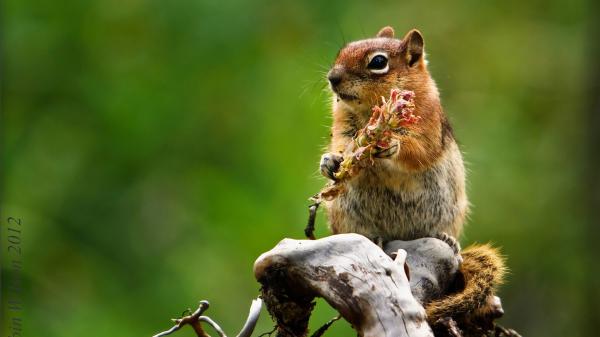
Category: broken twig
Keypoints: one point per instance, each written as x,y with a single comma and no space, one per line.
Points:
195,318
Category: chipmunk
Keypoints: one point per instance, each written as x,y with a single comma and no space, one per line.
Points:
416,188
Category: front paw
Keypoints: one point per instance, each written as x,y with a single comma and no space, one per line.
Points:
330,164
390,151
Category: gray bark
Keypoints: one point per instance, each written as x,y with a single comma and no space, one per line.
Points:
356,277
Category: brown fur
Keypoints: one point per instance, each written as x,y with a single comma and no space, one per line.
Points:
420,190
483,270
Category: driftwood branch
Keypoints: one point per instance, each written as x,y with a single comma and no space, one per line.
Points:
381,291
368,288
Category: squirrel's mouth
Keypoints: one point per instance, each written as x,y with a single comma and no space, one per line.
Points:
346,97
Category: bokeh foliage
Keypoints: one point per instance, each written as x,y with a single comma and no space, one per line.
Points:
154,149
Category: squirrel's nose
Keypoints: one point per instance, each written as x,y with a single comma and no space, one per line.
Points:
334,77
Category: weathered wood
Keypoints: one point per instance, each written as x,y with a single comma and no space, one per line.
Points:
356,277
433,266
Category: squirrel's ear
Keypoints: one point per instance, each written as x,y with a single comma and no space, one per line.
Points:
413,46
386,31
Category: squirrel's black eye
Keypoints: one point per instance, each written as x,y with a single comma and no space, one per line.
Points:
378,64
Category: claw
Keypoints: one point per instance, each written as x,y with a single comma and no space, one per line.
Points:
453,243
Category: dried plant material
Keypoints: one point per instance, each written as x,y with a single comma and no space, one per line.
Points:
386,122
377,136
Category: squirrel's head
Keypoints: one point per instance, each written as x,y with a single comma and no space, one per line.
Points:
367,69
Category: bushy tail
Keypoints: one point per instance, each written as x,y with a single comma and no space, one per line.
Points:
483,270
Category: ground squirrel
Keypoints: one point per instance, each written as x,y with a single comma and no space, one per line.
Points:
416,188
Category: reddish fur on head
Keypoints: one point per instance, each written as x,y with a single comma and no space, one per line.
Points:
357,88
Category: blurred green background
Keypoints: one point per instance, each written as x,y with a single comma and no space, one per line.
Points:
153,149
